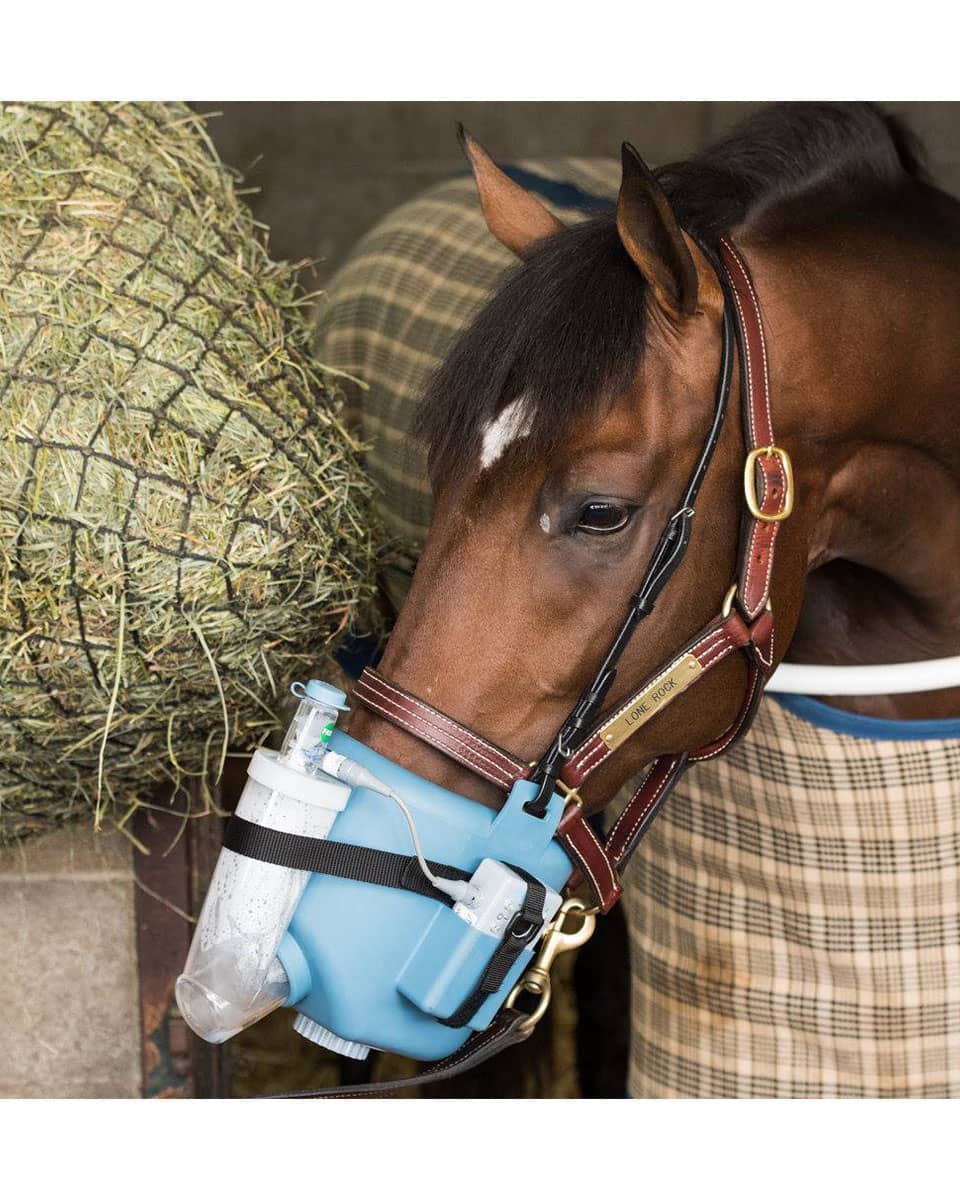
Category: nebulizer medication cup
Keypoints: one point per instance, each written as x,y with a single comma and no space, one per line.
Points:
233,976
305,743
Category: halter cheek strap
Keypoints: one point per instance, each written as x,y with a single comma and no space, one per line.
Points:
745,625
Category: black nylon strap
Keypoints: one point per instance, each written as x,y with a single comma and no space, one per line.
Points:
325,857
516,937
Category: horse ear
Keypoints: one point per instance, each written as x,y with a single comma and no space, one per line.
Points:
513,215
670,261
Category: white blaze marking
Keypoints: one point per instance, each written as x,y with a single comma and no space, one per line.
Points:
514,422
545,522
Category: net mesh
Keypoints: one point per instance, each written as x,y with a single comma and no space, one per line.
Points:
183,520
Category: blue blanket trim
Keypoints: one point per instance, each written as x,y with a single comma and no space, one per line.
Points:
563,195
876,729
357,650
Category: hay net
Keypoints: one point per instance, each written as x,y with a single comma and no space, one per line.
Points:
183,520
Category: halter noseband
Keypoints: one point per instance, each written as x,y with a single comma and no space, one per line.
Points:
745,624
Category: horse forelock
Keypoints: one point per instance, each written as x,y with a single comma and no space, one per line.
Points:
557,343
565,332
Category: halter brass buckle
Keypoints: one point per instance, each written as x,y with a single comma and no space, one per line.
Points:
727,607
536,978
750,484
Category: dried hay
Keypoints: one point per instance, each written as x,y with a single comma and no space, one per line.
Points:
183,522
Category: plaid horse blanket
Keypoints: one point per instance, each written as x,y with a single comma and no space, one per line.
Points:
794,916
794,913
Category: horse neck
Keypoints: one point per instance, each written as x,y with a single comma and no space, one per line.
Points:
862,319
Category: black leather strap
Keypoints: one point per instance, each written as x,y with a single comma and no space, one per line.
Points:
508,1028
666,558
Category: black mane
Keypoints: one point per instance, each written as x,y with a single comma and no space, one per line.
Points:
567,327
787,152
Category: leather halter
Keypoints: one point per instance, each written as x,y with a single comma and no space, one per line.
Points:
744,624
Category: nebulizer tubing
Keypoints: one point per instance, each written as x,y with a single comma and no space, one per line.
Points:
306,743
352,773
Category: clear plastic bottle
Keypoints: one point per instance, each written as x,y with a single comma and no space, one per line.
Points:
232,976
314,721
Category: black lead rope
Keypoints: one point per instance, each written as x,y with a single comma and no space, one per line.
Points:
666,558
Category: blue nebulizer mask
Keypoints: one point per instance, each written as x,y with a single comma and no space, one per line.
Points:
388,912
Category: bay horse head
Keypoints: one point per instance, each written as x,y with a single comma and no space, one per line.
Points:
563,430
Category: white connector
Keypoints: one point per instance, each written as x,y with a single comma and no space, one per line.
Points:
500,895
341,767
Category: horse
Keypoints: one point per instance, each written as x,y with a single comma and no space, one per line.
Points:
561,429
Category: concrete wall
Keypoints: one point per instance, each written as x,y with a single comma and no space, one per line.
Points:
328,171
69,1008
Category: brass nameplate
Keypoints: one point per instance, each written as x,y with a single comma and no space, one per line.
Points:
665,687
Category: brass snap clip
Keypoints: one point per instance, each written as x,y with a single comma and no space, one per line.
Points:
557,940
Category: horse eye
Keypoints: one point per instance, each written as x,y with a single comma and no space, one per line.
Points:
599,517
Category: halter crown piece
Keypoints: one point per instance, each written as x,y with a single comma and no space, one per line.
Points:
744,624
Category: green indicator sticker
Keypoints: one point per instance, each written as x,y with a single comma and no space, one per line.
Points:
327,731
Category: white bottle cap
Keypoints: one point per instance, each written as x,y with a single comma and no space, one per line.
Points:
321,693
